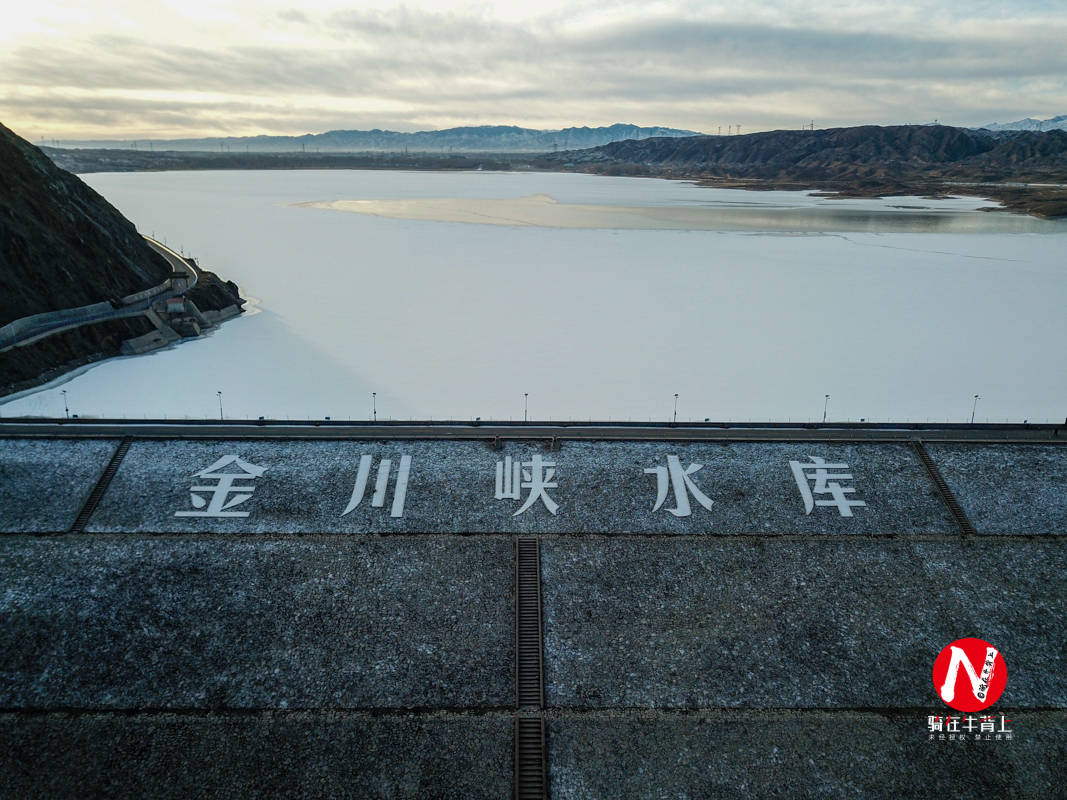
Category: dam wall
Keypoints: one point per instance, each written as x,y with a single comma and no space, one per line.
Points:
484,611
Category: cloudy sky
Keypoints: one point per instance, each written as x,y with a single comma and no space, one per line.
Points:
145,68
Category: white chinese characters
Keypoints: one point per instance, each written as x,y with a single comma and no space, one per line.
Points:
675,477
536,475
224,488
221,501
974,728
381,485
826,482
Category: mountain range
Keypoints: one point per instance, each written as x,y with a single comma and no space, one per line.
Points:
1030,124
1026,170
480,139
886,154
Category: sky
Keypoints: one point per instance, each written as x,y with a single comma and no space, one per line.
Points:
130,69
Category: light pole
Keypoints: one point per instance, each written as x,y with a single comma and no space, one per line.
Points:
220,404
374,405
674,421
974,408
825,403
66,408
525,406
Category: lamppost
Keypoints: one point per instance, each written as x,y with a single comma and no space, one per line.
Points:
525,406
674,421
825,403
220,404
66,408
973,408
374,405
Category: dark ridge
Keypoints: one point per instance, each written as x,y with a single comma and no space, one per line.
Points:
61,244
868,150
863,161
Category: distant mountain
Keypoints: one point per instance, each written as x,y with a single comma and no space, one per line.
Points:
1030,124
1024,170
869,160
478,139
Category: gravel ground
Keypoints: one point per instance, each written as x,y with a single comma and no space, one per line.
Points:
135,623
797,754
855,623
44,484
602,487
1007,488
292,755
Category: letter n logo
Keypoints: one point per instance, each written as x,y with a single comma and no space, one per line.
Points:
970,675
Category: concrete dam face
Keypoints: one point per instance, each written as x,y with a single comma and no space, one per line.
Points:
529,611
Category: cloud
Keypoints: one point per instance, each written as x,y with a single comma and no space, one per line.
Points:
293,15
694,66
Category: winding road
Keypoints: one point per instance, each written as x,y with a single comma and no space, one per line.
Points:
50,324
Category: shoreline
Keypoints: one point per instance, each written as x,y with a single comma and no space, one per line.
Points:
1012,198
61,374
1043,196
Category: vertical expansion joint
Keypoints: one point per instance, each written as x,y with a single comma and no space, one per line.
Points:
529,664
531,775
965,526
531,781
101,485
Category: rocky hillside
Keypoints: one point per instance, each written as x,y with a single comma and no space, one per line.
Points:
867,152
63,246
866,160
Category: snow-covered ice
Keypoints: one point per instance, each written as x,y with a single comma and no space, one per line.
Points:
456,320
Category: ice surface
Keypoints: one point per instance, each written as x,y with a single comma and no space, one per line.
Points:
544,211
453,320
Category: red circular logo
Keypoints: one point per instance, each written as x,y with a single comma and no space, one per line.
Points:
970,675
